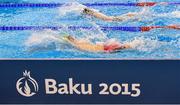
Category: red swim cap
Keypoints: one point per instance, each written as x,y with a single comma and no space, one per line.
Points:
111,47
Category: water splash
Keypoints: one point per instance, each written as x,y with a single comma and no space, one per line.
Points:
45,40
93,34
174,14
97,32
141,44
72,7
144,44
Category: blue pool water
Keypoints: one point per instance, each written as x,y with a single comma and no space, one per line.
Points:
155,44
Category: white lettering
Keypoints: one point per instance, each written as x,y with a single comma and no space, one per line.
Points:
50,85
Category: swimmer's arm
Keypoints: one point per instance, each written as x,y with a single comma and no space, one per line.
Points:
103,16
124,16
85,45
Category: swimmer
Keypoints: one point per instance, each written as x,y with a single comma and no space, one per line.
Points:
107,47
96,14
128,16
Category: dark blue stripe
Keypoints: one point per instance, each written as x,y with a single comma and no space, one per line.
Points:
110,4
53,5
20,28
131,29
174,3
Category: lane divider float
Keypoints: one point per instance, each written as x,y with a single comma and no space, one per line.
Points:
104,28
54,5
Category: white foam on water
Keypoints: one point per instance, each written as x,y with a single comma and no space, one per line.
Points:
97,32
94,35
174,14
74,7
41,37
144,14
144,44
178,44
44,40
149,45
91,34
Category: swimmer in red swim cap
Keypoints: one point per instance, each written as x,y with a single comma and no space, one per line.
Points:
108,47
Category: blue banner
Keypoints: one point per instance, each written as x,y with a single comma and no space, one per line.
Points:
89,82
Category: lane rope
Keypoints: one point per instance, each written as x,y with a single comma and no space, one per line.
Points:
21,28
104,28
54,5
131,29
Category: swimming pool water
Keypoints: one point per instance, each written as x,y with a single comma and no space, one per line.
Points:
158,43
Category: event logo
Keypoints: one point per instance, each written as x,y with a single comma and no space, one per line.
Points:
27,86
